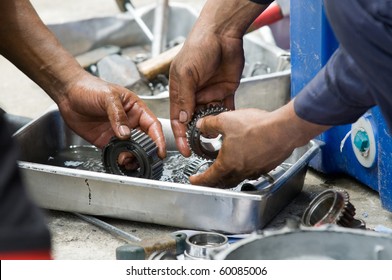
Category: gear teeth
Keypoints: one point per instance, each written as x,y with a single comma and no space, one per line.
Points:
193,134
141,144
194,166
331,207
347,214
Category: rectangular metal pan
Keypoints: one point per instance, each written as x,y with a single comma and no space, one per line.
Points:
145,200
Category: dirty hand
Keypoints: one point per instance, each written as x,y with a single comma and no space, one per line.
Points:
97,110
94,109
204,72
208,68
254,142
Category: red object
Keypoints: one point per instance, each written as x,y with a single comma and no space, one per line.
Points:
26,255
270,15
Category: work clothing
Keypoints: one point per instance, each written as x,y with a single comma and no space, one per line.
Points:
358,75
23,232
263,1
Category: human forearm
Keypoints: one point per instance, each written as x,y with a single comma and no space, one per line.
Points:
270,138
228,17
29,44
292,129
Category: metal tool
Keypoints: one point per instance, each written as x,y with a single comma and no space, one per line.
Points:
207,148
108,227
138,249
141,149
169,245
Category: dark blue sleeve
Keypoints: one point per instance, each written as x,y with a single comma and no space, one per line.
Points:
337,95
262,1
359,75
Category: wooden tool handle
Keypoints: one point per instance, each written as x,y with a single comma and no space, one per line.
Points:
160,64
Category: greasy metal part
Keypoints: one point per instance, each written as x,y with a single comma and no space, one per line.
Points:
142,148
207,148
161,23
265,181
201,245
108,227
196,166
298,242
331,207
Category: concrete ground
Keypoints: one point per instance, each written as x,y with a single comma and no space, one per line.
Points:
76,239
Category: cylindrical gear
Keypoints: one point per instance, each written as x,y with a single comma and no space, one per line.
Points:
196,165
204,147
330,207
142,148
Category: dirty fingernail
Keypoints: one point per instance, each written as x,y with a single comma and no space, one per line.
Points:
124,130
183,116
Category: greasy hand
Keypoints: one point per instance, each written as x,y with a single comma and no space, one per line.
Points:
254,142
97,110
206,71
251,146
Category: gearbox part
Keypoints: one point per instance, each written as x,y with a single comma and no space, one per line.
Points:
202,245
331,207
196,165
207,148
141,148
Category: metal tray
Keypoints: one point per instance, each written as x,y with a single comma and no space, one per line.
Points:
145,200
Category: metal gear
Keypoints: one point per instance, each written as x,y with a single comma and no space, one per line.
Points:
204,147
141,146
196,165
331,207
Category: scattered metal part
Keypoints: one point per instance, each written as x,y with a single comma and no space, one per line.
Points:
331,207
258,68
196,165
140,57
142,148
201,245
207,148
266,180
298,242
108,227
